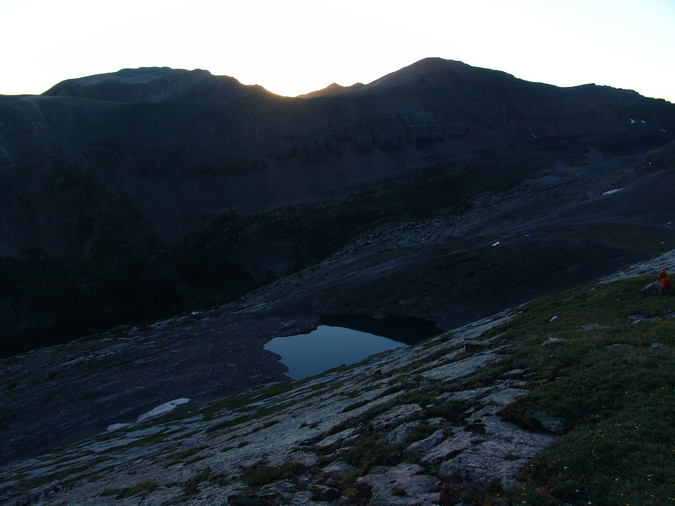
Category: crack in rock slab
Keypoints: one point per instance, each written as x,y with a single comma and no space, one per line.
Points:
404,484
498,453
395,416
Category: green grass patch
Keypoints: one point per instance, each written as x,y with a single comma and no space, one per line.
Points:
421,431
110,491
150,440
398,491
368,453
356,405
191,486
179,457
248,417
145,486
359,419
260,475
618,403
243,400
65,477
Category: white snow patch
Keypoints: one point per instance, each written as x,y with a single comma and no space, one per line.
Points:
644,121
632,121
663,131
612,191
495,244
534,136
117,426
162,409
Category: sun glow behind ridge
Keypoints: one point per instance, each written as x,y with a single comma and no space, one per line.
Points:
297,46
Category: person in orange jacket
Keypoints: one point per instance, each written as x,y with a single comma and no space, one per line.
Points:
664,285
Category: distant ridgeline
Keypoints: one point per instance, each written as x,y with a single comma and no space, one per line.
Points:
130,196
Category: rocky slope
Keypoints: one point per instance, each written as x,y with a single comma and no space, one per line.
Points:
402,427
306,428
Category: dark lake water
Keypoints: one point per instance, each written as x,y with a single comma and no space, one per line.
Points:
346,340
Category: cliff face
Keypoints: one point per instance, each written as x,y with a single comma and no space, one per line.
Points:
156,151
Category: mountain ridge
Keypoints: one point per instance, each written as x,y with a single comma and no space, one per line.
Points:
156,84
253,150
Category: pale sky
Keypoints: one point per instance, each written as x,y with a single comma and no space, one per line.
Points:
296,46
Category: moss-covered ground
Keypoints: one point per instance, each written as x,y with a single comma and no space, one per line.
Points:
617,402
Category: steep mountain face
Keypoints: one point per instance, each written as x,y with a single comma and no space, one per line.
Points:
156,152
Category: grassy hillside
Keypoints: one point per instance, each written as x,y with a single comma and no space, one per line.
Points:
602,357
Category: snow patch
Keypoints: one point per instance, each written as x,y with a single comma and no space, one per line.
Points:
632,121
117,426
495,244
612,191
162,409
663,131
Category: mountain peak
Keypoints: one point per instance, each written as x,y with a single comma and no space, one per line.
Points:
155,84
430,68
333,90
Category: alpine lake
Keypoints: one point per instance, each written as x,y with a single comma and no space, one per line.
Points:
344,340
